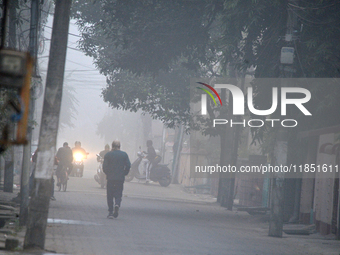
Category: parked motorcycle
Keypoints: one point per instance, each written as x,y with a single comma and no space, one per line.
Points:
158,173
100,176
78,164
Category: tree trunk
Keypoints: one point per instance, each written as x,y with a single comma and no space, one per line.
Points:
177,149
225,157
277,196
39,203
147,128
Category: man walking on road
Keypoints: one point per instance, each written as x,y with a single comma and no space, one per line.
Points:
116,166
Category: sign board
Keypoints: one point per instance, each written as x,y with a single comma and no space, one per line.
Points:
12,68
287,55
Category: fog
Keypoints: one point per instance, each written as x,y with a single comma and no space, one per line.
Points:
84,83
241,102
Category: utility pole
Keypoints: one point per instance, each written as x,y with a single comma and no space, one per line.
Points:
12,25
25,173
39,203
14,77
280,150
4,23
9,24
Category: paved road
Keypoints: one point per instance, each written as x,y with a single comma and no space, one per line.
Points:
152,220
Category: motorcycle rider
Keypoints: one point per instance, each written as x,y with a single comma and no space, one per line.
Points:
116,166
78,149
151,155
103,153
65,158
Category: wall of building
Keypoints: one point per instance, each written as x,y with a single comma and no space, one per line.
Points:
324,186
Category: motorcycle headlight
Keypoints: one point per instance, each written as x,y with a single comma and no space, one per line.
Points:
78,157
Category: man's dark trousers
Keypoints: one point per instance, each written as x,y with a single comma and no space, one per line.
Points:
114,190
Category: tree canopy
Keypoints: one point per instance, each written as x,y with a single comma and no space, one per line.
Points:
165,97
157,38
144,36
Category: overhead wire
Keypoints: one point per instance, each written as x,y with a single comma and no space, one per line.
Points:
298,57
68,60
312,8
72,48
311,21
68,32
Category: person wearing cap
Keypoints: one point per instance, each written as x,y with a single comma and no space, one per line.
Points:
64,157
79,154
77,148
103,153
116,166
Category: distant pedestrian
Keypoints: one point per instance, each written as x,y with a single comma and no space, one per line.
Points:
116,166
151,155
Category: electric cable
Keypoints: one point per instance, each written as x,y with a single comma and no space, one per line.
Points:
298,57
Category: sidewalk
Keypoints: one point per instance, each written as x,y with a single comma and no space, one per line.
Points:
316,243
7,196
174,192
313,243
9,209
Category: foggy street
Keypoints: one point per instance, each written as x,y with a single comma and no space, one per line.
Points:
222,116
153,220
